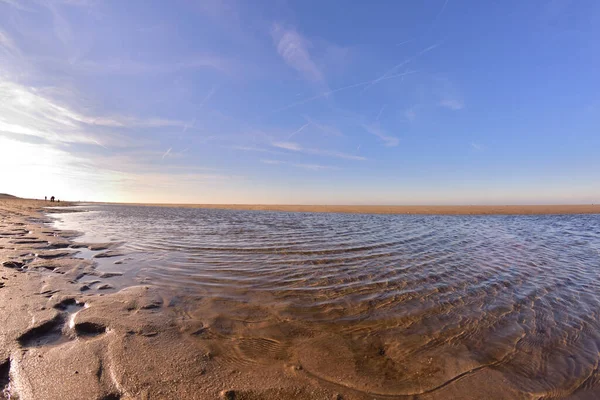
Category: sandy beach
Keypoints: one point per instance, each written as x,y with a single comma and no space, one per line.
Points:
422,210
64,337
69,331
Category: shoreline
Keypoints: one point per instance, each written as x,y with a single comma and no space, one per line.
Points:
393,210
62,336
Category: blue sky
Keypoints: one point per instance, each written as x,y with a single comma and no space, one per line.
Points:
337,102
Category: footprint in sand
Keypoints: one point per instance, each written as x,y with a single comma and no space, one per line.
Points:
61,328
5,379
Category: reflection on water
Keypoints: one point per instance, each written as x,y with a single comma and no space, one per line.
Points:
399,304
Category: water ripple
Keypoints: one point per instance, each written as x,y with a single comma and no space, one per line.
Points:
520,293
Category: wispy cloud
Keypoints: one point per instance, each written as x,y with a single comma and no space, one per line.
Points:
167,153
79,3
315,167
132,67
449,94
251,148
143,161
272,162
291,146
16,4
100,144
62,28
375,129
24,111
256,149
220,10
327,129
410,113
7,44
477,146
293,49
96,177
310,167
129,122
452,104
288,146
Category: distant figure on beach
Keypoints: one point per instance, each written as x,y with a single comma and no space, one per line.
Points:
52,199
45,198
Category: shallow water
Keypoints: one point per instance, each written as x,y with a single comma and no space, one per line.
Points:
402,304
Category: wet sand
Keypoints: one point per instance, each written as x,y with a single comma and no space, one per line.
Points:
63,337
423,210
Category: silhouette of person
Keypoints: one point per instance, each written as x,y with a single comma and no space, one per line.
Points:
52,199
45,198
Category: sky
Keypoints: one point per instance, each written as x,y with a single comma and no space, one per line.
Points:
301,102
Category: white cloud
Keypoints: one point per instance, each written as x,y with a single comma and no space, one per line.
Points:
318,152
24,111
288,146
389,141
293,48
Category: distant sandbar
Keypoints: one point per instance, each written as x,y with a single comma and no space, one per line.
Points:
422,210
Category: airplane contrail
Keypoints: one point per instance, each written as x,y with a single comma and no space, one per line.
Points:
299,130
325,94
